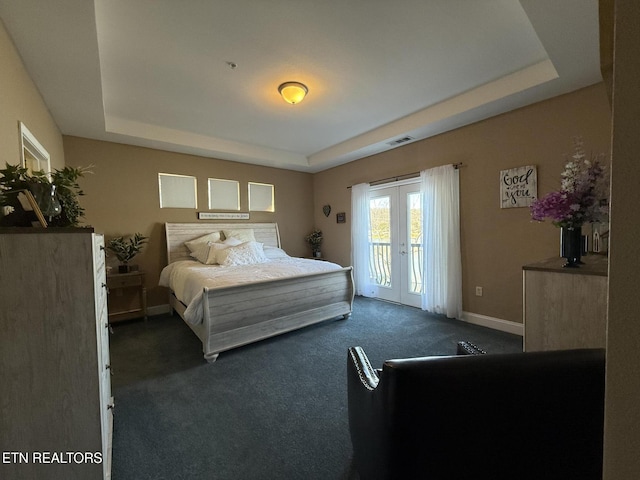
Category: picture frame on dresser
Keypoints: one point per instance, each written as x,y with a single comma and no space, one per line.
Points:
21,210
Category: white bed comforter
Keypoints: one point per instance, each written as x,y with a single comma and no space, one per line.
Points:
187,278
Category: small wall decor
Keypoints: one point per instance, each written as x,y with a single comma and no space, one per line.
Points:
518,186
326,210
341,217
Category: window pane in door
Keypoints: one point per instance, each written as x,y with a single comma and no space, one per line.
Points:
380,240
415,242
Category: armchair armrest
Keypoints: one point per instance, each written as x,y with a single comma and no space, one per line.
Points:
366,404
468,348
359,361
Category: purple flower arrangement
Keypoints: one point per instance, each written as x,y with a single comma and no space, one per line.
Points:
583,195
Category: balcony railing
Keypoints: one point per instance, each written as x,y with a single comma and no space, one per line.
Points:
380,265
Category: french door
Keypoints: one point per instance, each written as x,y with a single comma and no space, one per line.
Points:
395,243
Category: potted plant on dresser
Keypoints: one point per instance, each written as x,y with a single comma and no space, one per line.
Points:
125,250
56,194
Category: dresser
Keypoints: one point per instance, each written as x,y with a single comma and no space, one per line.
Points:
55,401
565,308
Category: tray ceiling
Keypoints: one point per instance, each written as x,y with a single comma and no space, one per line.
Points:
158,74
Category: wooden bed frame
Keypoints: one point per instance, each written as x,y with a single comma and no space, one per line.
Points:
242,314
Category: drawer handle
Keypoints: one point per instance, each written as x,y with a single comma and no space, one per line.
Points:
108,367
111,406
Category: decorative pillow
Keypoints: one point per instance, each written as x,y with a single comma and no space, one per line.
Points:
244,234
200,242
232,242
247,253
274,252
207,254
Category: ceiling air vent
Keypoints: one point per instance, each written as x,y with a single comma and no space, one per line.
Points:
400,141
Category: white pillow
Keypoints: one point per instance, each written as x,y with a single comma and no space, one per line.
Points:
200,242
274,252
243,234
232,242
247,253
208,254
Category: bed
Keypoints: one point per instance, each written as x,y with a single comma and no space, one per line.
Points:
230,314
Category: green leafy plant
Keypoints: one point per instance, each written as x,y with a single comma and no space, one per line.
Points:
68,191
314,238
125,250
15,177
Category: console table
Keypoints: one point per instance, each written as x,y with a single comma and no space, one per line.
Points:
565,308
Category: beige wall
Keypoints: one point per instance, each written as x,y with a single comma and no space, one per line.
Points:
495,242
622,409
20,100
122,197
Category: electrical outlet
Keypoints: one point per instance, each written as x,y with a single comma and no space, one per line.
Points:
478,291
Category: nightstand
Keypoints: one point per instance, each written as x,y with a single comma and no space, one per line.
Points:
127,296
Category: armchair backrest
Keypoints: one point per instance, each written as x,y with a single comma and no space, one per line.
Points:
517,416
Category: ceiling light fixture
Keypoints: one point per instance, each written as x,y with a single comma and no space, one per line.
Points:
293,92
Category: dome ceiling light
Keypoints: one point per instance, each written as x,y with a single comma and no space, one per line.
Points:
293,92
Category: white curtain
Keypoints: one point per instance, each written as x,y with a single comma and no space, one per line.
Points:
360,241
442,264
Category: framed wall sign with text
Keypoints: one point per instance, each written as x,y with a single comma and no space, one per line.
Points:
518,186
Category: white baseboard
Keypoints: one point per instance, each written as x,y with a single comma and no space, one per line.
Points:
495,323
158,309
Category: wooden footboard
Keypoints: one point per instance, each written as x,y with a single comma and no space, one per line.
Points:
243,314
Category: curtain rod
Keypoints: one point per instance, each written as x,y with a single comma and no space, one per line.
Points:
406,176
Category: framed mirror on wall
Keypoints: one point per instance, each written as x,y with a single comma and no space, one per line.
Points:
33,156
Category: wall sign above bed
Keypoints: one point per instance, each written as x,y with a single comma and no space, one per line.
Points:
222,216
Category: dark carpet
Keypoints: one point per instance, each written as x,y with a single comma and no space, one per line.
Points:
276,409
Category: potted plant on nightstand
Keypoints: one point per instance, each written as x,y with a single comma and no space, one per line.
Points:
125,250
315,240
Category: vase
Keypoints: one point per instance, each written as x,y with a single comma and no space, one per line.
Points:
571,246
46,198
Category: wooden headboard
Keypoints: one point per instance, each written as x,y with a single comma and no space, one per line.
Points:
178,233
